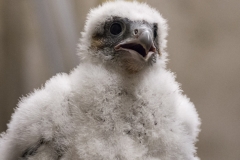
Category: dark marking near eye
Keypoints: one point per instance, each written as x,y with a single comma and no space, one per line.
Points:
97,43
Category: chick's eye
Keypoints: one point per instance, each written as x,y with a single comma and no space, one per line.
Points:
116,28
155,28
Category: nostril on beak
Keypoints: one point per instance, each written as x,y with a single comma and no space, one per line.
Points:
135,32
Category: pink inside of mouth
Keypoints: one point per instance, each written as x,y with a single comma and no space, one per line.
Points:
137,48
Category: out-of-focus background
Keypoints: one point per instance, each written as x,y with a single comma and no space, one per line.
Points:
38,38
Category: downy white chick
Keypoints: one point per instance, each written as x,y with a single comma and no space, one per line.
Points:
120,103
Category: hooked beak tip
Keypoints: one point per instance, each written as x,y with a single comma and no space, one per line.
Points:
142,43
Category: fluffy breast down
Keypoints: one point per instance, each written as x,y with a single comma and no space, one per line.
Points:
131,118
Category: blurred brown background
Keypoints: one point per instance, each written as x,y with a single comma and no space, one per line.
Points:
38,39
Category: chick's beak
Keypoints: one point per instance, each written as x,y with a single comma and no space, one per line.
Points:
141,43
145,39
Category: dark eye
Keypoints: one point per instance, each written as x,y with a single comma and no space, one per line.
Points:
116,28
155,28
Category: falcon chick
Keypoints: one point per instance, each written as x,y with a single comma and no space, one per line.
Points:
120,103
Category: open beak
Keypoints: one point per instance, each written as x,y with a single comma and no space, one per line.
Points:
141,43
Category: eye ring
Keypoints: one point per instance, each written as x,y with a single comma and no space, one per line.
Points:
116,28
